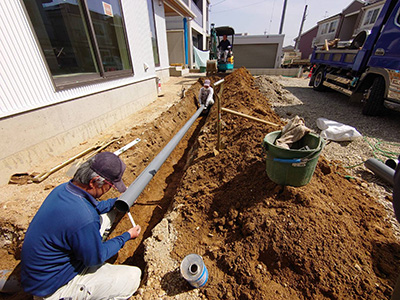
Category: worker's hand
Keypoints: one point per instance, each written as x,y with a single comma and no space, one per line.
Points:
135,231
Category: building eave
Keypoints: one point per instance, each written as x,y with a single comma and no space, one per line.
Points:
180,8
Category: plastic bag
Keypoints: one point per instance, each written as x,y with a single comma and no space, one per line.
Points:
335,131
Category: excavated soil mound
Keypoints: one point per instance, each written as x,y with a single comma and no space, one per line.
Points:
326,240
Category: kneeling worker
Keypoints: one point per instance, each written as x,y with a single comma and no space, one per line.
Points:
206,95
63,255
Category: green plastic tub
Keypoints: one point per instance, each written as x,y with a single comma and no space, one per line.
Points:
292,167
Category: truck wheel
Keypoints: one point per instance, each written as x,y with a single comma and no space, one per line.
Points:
318,80
373,98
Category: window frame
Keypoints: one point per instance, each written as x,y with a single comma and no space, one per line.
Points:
367,18
397,18
333,26
324,28
72,81
155,37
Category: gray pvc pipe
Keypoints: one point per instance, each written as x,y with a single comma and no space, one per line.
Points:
128,198
381,170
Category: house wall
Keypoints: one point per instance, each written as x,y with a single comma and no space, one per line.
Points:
359,23
259,51
38,122
176,46
255,56
305,44
322,36
197,30
349,20
347,29
163,70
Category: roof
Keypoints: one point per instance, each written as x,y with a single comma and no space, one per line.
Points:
224,30
331,18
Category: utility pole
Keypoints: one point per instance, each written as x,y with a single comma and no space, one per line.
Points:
296,47
283,16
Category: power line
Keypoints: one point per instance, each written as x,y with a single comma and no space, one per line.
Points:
217,3
272,14
221,11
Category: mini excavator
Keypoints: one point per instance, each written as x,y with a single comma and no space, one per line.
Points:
220,61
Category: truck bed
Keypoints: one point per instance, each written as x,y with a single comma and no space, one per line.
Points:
340,58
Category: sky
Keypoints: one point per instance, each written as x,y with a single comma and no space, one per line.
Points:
257,17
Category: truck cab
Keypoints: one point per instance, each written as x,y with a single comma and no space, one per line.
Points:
368,70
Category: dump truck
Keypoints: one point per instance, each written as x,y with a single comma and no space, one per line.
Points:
369,69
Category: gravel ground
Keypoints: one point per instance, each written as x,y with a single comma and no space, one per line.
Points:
380,135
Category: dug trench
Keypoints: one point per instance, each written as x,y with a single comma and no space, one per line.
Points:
259,240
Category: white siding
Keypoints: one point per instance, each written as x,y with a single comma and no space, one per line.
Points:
25,82
161,35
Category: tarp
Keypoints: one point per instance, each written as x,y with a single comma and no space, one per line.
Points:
200,57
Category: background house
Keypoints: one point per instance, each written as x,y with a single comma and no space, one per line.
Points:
358,16
185,32
305,45
327,29
258,51
367,16
349,19
72,68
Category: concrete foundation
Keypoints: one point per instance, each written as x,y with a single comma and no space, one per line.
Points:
178,71
294,72
33,137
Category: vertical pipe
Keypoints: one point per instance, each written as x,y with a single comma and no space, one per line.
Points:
296,47
185,33
283,16
219,106
219,122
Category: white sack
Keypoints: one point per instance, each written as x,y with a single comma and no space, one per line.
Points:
335,131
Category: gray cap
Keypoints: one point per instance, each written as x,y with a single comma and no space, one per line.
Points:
110,167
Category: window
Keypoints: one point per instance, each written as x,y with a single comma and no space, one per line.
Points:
324,28
332,26
329,27
82,40
153,33
371,16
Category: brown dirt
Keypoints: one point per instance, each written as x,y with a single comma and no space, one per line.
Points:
326,240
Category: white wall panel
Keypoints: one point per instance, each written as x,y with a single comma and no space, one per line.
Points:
161,34
25,82
139,35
